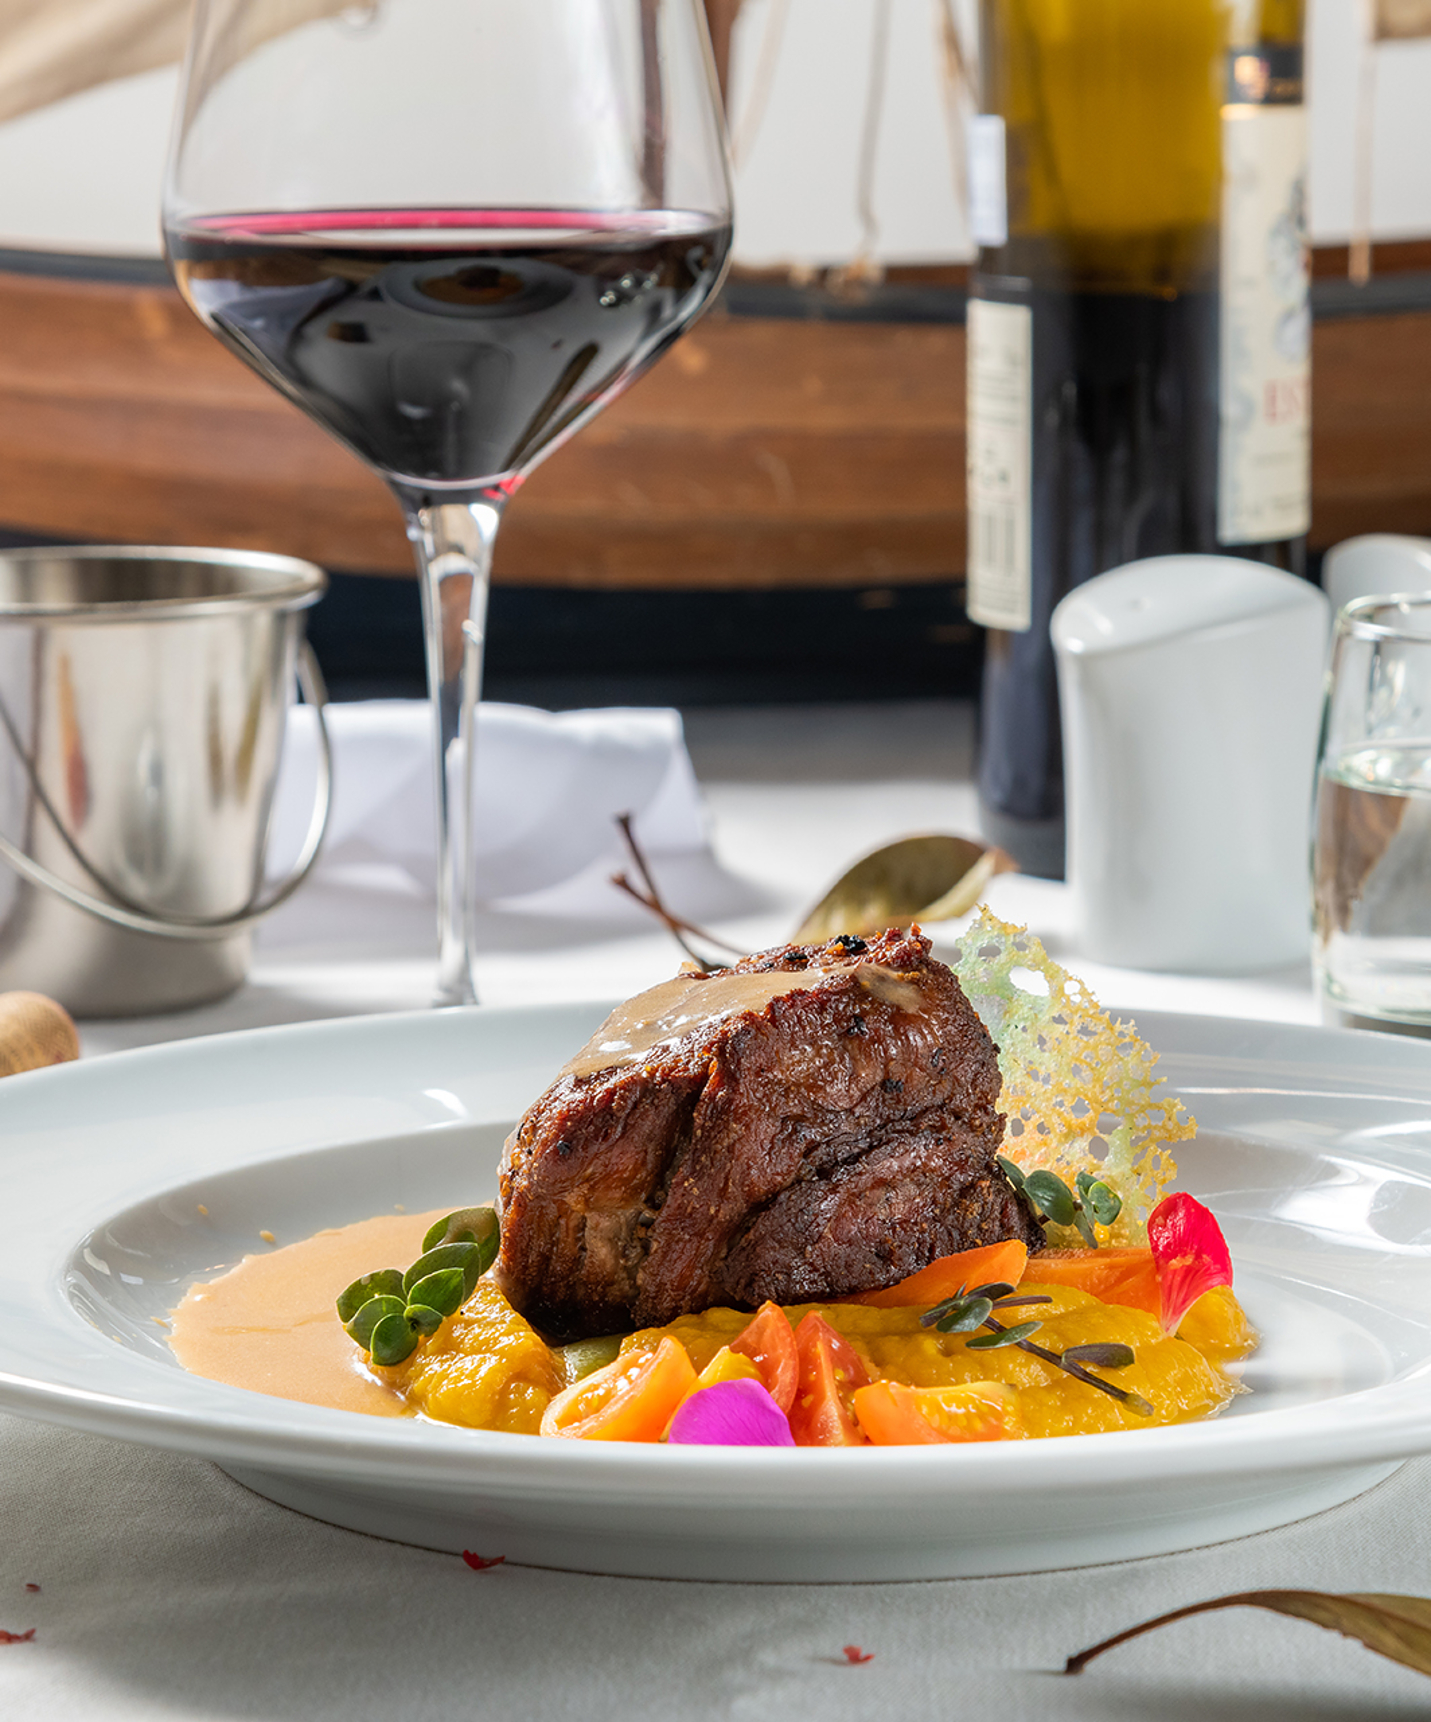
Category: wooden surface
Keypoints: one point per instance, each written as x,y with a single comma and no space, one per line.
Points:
759,453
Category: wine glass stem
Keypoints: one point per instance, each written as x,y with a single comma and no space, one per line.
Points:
453,544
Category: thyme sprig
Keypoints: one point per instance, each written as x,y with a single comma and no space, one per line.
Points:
1091,1203
389,1311
970,1310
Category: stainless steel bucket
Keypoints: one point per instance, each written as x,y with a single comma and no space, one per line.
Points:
143,697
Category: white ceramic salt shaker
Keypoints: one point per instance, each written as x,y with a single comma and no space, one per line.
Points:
1190,689
1384,563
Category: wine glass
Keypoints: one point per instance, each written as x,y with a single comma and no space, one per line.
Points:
450,231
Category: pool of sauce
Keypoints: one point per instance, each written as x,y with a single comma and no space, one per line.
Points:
271,1324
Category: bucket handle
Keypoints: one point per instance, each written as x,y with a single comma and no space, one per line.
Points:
196,928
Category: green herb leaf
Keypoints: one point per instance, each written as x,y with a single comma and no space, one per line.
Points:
1100,1356
1003,1336
942,1308
999,1289
478,1226
1397,1627
376,1309
467,1257
442,1291
421,1318
1051,1196
967,1314
582,1356
1104,1204
393,1340
386,1282
1014,1174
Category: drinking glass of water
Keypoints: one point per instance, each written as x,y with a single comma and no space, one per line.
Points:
1371,864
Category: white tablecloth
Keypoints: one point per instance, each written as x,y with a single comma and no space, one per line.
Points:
166,1590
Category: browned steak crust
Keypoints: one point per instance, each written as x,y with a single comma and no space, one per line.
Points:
830,1141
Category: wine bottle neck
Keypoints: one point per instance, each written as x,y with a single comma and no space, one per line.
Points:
1111,133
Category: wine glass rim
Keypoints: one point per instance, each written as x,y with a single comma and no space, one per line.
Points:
1359,619
378,218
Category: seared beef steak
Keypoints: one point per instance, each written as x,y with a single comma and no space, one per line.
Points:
816,1121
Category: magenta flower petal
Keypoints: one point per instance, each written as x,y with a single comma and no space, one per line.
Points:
731,1414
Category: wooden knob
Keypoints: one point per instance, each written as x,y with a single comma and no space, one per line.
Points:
34,1032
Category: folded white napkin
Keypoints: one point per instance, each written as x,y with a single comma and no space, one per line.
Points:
549,787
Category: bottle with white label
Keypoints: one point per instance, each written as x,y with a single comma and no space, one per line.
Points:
1138,352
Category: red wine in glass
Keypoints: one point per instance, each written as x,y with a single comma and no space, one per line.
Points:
450,231
449,347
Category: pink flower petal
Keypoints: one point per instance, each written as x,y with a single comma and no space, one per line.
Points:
731,1414
1189,1252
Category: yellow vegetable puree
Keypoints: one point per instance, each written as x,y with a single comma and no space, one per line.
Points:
270,1325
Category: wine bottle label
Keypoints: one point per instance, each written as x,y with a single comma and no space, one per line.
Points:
988,188
1000,427
1264,462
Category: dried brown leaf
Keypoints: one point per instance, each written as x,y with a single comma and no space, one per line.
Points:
928,878
1398,1627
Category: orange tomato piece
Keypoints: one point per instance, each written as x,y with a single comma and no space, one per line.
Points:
947,1276
893,1415
632,1399
831,1371
769,1343
1119,1274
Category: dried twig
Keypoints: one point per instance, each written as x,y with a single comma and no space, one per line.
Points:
650,899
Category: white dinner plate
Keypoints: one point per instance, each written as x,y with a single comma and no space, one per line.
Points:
1315,1152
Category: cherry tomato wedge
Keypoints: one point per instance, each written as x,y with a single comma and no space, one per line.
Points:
728,1365
892,1415
632,1399
769,1343
830,1372
947,1276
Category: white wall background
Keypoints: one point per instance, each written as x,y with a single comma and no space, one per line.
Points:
797,183
84,175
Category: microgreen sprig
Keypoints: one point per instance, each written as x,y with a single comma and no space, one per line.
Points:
389,1311
1091,1203
970,1310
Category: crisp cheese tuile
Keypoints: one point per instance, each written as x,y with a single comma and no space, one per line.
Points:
1079,1091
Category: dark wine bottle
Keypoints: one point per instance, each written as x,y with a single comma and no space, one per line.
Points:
1138,332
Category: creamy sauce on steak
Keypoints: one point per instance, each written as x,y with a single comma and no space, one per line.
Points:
679,1007
689,1002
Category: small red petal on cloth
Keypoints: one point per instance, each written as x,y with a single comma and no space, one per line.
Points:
33,1589
1189,1253
854,1654
17,1637
478,1563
